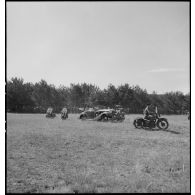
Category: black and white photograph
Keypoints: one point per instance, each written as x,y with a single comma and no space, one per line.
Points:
98,96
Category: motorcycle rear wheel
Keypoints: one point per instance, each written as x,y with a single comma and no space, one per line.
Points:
138,123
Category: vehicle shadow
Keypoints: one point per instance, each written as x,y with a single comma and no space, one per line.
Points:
171,131
167,130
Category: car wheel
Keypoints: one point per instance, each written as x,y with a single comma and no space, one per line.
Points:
83,117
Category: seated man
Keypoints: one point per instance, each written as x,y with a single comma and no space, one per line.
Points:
64,112
50,113
150,112
50,110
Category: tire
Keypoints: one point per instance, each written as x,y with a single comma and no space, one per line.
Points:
83,117
104,117
138,123
163,124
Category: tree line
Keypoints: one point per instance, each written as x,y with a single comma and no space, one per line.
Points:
26,97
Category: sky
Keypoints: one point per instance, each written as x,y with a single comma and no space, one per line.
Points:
139,43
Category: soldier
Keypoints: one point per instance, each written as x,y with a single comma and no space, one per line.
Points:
150,111
64,113
50,110
50,113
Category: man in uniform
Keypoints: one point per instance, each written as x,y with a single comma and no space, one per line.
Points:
150,111
64,113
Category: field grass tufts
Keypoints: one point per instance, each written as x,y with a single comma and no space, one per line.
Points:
74,156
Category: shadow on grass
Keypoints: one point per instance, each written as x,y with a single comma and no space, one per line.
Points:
171,131
167,130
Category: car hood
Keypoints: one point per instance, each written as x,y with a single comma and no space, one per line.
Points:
105,110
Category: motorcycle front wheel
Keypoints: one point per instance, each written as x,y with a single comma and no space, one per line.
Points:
163,124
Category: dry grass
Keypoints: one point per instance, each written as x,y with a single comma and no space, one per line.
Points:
54,155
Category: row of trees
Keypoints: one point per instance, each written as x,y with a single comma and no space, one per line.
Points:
28,97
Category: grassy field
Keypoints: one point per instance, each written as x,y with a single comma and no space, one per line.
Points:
51,155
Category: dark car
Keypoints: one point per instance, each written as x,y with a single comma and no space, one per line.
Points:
111,115
88,114
103,115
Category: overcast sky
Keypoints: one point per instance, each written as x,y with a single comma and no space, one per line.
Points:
140,43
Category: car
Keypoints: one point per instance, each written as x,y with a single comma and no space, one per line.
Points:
88,114
105,113
111,115
102,115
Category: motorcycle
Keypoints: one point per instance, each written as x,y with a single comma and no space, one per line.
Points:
153,122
